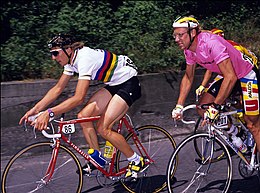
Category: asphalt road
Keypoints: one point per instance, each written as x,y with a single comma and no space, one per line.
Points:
11,144
239,185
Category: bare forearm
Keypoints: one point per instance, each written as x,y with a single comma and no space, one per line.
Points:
51,96
185,88
229,80
67,105
72,102
206,78
53,93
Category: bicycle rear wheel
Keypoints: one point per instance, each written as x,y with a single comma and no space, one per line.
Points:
26,170
196,173
159,145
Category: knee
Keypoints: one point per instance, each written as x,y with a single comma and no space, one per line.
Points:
105,133
253,125
80,115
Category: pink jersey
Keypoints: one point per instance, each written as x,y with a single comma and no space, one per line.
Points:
213,49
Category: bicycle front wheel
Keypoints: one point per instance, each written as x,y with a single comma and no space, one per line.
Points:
26,171
196,173
159,145
218,154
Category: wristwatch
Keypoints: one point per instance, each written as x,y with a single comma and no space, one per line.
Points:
216,106
51,113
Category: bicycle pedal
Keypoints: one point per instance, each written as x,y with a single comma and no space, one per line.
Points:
133,177
145,168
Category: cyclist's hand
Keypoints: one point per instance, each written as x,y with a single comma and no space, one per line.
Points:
177,112
28,114
211,114
42,121
200,90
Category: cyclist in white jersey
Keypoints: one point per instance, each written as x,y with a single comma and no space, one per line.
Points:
111,102
217,55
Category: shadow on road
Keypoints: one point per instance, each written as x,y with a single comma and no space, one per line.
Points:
251,185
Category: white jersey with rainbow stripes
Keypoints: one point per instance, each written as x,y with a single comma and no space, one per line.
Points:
102,65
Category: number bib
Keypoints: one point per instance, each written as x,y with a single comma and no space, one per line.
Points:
223,120
68,128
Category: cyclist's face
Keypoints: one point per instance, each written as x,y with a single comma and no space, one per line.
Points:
59,55
181,37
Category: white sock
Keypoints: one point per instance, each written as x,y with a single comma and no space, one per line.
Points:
135,158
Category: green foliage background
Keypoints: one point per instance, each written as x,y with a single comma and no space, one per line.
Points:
140,29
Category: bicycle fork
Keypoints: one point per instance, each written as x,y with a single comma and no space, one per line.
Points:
51,167
199,175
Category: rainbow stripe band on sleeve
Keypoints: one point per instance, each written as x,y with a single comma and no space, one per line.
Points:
108,67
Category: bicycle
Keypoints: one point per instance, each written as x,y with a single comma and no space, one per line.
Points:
51,166
236,118
208,160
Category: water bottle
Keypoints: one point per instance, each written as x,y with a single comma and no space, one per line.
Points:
96,155
109,149
250,140
237,141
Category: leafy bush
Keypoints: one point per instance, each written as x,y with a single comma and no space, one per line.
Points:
140,29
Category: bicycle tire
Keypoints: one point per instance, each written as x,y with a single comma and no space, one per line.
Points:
27,167
199,129
258,163
194,174
157,142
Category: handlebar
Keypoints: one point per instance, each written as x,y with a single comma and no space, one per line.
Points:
193,106
44,133
50,136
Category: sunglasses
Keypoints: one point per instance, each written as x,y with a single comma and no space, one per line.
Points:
55,52
179,35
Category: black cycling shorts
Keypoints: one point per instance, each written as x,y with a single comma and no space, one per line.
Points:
129,91
214,88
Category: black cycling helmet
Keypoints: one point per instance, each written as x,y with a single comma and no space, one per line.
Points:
61,40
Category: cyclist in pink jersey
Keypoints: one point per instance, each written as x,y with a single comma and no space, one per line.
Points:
217,55
111,102
205,86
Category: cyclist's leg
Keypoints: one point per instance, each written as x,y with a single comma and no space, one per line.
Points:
156,146
95,106
251,84
123,96
251,99
116,108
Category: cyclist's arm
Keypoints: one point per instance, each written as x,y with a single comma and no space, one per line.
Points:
229,80
74,101
186,84
65,106
206,78
53,93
